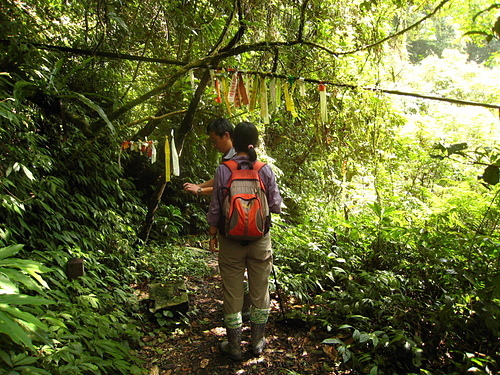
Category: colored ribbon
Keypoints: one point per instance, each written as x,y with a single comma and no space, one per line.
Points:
264,111
175,157
290,106
153,153
302,86
225,91
322,102
167,159
278,95
242,90
233,88
191,79
272,94
218,98
253,94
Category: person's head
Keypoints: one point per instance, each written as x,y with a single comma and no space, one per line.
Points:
219,131
245,138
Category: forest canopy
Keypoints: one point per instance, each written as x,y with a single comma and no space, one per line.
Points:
380,119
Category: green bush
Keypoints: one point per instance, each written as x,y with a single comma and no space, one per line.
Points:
396,297
18,311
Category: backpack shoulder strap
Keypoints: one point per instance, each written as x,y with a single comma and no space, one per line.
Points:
231,164
257,165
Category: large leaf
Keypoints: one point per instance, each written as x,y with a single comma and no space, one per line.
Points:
7,286
27,320
21,299
491,175
97,108
18,276
28,266
12,329
8,251
24,264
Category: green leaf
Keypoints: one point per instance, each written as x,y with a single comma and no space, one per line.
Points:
19,277
25,265
26,319
25,360
96,108
475,32
12,329
491,175
496,27
8,251
7,286
457,148
332,341
364,337
21,299
6,358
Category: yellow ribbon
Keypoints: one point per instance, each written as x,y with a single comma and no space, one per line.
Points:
253,94
290,107
264,111
322,102
272,94
167,159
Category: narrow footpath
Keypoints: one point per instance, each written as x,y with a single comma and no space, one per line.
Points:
193,347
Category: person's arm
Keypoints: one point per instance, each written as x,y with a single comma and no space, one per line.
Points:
205,188
215,207
274,198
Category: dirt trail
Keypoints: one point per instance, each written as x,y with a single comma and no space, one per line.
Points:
194,348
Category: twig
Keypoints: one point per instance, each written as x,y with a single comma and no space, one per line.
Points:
149,118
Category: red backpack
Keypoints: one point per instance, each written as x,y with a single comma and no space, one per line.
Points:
245,211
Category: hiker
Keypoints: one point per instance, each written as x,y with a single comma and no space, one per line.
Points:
237,256
219,132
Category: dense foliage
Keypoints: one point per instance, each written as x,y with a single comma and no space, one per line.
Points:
389,241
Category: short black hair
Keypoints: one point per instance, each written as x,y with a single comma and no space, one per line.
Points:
220,126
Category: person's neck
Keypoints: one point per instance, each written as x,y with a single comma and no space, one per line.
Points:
241,153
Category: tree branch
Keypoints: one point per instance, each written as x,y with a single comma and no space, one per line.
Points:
229,51
300,34
223,34
153,118
187,122
368,46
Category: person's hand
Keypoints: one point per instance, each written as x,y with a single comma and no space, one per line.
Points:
214,245
191,188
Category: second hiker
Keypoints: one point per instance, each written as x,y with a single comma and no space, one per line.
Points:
235,256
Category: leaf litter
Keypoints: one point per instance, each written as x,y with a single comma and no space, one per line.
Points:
191,345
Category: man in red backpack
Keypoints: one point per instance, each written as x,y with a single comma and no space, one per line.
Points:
237,255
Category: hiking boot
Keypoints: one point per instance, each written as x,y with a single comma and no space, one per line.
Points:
258,320
258,338
232,346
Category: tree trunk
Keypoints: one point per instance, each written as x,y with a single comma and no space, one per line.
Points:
152,207
185,127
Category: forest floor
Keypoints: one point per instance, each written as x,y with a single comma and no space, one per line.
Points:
193,347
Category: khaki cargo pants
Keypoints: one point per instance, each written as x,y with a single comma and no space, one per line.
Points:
257,259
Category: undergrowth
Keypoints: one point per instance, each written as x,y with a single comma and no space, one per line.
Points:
407,301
